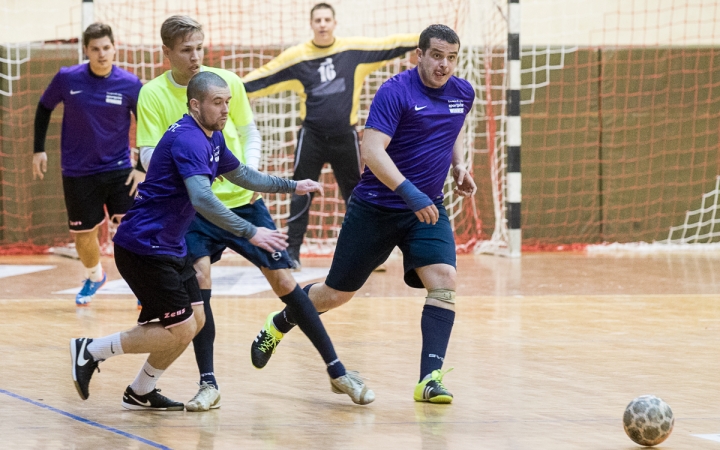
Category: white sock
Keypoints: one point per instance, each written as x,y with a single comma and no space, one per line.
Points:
146,379
106,347
95,273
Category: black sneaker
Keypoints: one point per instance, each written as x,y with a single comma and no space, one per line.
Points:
153,401
265,343
83,365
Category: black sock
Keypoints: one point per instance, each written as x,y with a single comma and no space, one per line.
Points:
436,325
299,304
204,343
284,321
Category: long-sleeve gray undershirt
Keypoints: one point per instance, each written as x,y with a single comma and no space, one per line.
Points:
207,204
252,180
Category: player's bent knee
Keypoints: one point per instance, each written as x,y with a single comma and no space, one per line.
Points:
281,281
446,296
337,298
185,332
199,322
202,268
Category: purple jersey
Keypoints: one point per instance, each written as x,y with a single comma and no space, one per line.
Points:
96,122
424,124
158,220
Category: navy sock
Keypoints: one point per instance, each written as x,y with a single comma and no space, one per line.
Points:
284,321
302,309
436,325
204,343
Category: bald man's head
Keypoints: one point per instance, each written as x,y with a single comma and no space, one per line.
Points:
208,100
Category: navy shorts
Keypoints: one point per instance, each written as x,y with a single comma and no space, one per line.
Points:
86,198
206,239
165,285
369,234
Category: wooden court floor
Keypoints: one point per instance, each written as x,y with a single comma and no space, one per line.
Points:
547,351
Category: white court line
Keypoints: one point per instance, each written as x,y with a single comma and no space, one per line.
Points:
14,270
226,281
709,437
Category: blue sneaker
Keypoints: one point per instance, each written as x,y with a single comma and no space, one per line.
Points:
139,305
88,290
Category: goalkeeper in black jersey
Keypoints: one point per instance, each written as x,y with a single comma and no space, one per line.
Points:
327,73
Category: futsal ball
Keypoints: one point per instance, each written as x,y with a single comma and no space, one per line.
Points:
648,420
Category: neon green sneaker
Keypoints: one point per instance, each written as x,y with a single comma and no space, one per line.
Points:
431,389
265,343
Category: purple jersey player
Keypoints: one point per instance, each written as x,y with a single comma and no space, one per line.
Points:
95,149
151,256
161,215
412,137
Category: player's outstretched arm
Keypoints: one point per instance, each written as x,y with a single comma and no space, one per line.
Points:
376,158
207,204
249,178
464,183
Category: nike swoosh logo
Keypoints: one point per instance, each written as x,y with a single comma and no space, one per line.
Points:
418,108
151,376
145,403
74,92
81,361
111,350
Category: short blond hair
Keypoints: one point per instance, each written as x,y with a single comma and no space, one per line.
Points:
178,27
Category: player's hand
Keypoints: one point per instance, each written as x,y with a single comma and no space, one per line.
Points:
255,196
269,240
428,214
39,165
307,186
136,177
220,178
465,185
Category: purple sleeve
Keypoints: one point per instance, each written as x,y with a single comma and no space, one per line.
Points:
228,162
386,110
190,156
53,94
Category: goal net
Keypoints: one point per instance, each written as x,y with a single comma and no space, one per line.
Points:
620,107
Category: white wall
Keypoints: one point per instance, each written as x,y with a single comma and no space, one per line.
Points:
556,22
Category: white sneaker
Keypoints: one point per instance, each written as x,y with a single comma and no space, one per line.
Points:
208,397
354,386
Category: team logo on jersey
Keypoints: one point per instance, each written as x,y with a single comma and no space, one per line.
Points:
456,106
114,98
174,127
216,154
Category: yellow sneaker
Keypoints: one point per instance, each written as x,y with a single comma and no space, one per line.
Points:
265,343
432,390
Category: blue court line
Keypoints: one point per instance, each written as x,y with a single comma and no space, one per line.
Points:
84,420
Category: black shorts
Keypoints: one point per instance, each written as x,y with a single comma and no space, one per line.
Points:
369,234
86,197
165,285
